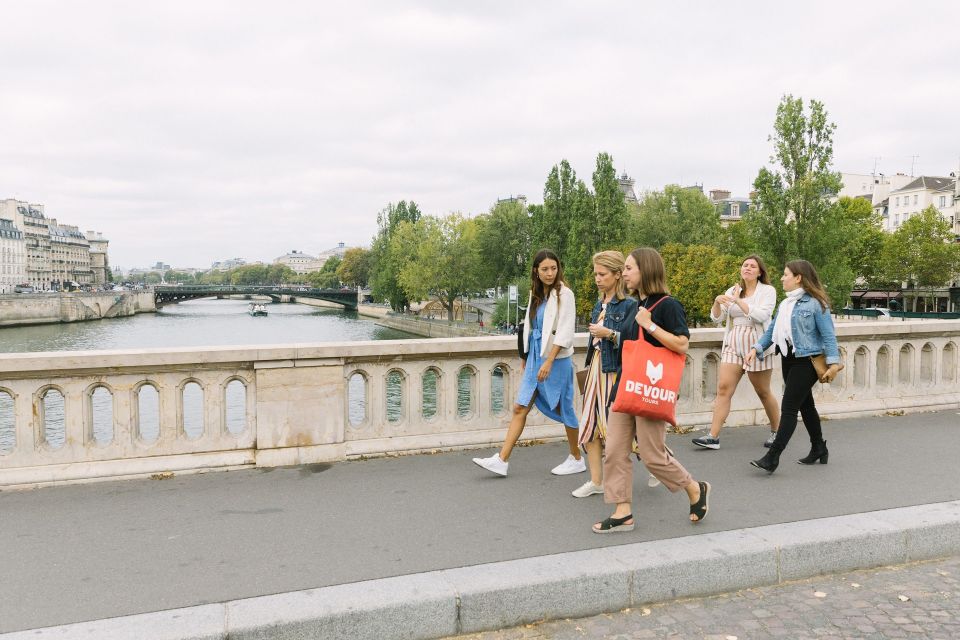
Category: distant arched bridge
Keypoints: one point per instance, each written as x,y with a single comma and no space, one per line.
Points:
166,294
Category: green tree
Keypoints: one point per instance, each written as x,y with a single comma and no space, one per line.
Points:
354,270
385,263
794,198
441,258
323,279
331,264
865,240
504,239
677,214
600,221
696,274
923,252
551,222
795,214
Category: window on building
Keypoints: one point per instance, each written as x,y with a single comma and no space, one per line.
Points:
897,202
915,198
735,209
896,220
943,201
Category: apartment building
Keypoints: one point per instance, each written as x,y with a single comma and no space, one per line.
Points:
29,219
99,262
918,194
13,259
54,253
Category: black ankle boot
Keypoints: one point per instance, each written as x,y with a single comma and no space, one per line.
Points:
818,451
770,461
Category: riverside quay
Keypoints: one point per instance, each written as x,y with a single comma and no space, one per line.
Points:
304,535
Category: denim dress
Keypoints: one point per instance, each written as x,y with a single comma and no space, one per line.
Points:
555,394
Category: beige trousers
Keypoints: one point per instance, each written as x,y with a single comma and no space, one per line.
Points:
651,446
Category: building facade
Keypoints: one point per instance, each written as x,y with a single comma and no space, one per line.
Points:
29,219
69,256
13,258
729,208
99,262
299,262
915,196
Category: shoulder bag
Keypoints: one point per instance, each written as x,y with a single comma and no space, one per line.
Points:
649,380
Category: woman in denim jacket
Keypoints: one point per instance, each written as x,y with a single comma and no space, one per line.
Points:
603,361
801,328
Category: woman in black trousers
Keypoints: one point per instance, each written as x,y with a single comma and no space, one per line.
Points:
802,328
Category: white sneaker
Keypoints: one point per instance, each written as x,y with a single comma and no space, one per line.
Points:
493,464
569,466
652,481
587,489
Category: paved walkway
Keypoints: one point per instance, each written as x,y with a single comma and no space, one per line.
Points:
919,600
85,552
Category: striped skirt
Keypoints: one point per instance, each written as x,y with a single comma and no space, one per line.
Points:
738,343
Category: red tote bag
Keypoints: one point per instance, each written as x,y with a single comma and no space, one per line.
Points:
649,380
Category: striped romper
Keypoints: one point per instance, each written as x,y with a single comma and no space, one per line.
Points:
742,336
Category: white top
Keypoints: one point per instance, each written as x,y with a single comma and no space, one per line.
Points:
737,316
566,323
760,309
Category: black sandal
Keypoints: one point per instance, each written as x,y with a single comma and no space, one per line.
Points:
701,506
612,524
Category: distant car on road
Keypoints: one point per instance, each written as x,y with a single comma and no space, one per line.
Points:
23,288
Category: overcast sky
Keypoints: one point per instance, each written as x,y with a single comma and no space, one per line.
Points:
196,131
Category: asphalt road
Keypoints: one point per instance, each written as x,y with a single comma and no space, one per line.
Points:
84,552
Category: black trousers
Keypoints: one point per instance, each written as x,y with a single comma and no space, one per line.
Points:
799,376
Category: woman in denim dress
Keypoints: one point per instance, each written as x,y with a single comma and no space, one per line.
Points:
547,379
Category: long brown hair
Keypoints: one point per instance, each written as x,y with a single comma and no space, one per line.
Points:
538,292
764,277
809,281
653,273
613,262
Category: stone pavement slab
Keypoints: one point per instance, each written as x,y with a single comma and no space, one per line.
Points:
86,552
918,600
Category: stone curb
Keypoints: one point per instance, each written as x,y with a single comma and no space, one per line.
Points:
575,584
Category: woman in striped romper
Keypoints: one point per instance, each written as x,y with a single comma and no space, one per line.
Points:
746,309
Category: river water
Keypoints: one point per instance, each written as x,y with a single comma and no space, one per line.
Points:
198,323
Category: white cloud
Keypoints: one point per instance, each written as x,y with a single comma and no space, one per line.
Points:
190,132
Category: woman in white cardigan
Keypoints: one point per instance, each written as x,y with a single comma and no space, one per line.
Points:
547,379
746,309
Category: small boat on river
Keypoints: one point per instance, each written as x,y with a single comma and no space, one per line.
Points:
257,309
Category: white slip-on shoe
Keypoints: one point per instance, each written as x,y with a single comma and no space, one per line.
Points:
493,464
588,488
569,466
652,481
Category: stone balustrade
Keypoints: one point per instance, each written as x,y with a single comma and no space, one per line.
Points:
108,414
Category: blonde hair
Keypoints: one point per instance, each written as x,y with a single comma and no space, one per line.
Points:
653,273
612,261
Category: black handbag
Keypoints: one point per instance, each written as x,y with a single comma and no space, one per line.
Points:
523,354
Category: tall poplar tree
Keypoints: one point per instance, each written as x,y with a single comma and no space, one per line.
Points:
795,214
385,264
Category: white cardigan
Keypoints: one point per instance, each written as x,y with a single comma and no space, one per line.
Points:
765,301
565,323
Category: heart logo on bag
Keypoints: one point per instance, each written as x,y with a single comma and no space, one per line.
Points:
654,373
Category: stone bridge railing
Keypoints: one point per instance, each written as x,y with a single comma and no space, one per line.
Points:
85,415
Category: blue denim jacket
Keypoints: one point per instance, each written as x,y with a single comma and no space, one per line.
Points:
619,312
812,329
